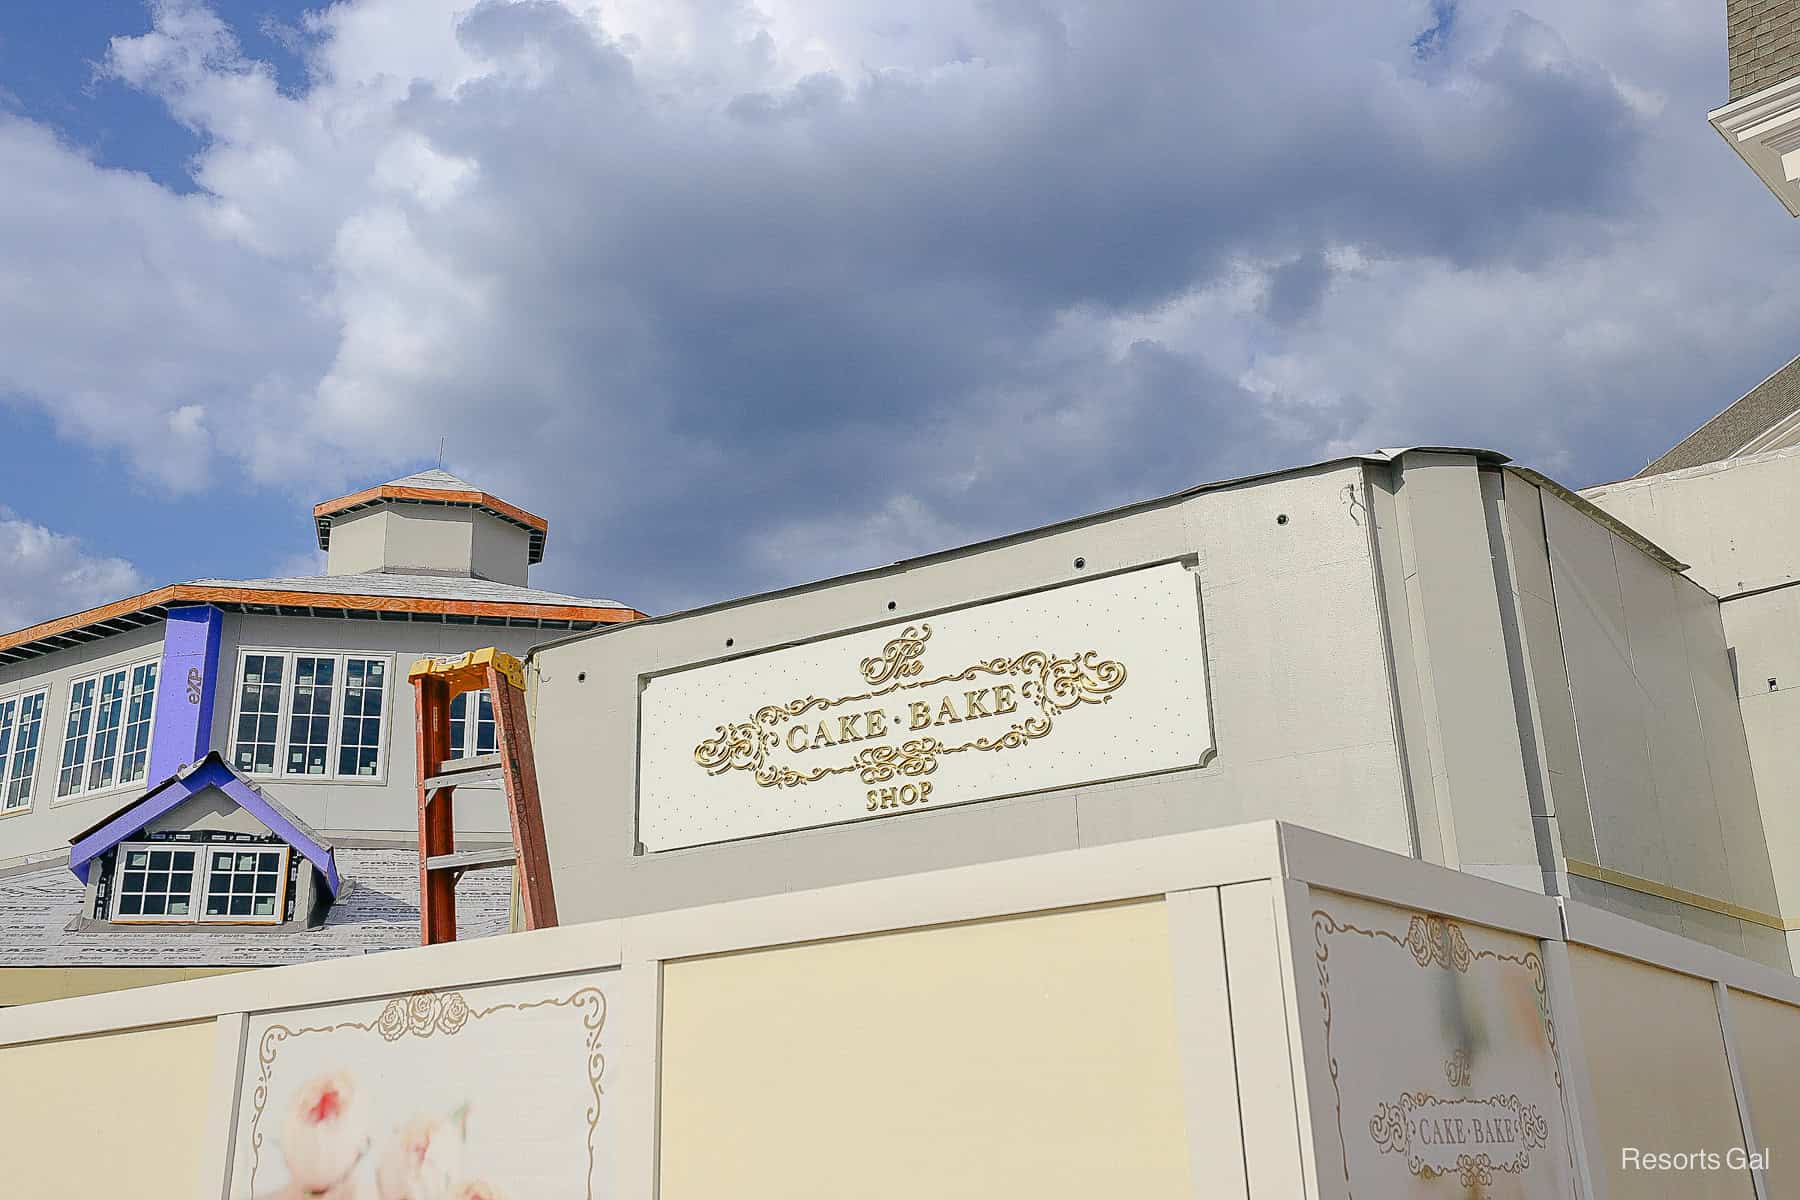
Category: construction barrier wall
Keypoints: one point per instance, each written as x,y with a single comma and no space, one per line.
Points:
1261,1012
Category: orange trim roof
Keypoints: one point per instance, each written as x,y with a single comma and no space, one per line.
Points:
135,611
533,524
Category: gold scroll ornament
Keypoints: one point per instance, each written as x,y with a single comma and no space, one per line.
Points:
1468,1137
1046,686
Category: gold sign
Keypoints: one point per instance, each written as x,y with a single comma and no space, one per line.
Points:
903,726
1002,698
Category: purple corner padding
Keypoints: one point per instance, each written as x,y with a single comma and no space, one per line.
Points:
171,792
279,823
185,685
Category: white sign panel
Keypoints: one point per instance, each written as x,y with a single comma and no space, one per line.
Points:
1092,681
1443,1074
482,1093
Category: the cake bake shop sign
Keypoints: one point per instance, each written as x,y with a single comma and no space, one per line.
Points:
1467,1139
906,726
1098,680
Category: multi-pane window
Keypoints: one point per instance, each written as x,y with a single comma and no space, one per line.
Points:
136,755
244,885
472,724
162,882
156,883
259,712
21,729
309,721
106,741
310,714
365,688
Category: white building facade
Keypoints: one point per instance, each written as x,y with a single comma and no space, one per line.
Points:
299,684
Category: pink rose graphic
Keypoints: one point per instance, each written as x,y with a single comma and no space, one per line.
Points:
326,1132
424,1161
477,1189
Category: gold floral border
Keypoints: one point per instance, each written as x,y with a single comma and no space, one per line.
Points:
426,1014
1388,1130
1431,940
1055,684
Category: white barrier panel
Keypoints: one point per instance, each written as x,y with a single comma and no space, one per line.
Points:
1261,1013
473,1093
1442,1047
973,704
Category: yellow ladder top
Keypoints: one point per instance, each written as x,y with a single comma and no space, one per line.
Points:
467,671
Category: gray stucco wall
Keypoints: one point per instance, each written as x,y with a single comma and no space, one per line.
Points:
499,551
358,542
423,538
1732,521
1433,656
1297,665
1449,636
428,539
1670,792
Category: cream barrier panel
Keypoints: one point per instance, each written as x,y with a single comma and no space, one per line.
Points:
1660,1080
73,1123
1443,1078
1264,1013
1029,1057
1767,1036
496,1090
1090,681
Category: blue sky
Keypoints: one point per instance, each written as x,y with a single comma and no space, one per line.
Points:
50,73
740,293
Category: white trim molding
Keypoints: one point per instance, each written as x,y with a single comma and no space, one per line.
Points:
1764,128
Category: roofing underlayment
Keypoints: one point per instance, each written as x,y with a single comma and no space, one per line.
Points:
377,909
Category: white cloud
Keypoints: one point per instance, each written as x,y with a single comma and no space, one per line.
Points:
45,574
739,293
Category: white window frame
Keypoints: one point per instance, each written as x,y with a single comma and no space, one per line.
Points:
204,877
203,852
9,756
469,723
83,791
284,714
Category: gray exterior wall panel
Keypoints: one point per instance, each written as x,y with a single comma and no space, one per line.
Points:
1300,697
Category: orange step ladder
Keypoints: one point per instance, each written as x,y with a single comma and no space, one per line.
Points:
436,683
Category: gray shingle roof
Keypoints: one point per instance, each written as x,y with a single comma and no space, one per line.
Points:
436,478
379,910
1745,419
424,587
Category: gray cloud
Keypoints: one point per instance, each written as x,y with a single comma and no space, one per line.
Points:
740,297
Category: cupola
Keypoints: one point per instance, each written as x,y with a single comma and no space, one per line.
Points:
429,523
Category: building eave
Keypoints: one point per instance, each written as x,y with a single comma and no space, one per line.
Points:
1764,129
535,527
90,625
